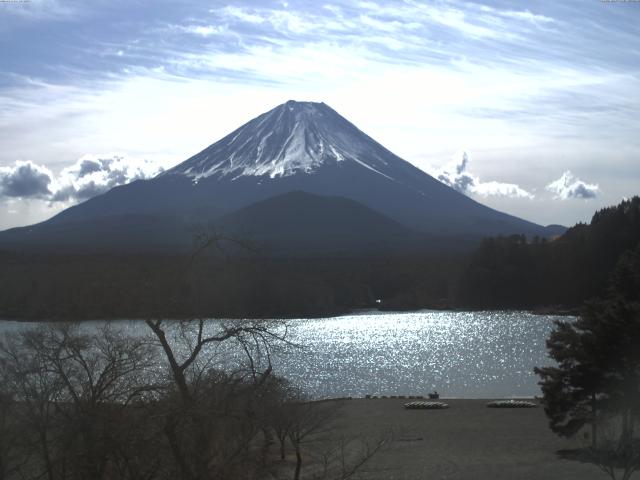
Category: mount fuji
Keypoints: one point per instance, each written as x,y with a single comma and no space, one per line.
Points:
299,177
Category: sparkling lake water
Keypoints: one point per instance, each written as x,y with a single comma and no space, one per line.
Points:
459,354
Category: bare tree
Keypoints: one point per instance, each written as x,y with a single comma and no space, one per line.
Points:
12,448
73,389
207,400
307,419
310,428
25,375
276,412
616,452
210,418
347,456
195,399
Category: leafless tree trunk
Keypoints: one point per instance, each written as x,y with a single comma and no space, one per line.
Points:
188,365
73,390
307,419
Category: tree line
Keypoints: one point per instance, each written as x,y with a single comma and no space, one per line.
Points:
516,272
513,272
70,287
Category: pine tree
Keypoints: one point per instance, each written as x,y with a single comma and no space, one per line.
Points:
598,373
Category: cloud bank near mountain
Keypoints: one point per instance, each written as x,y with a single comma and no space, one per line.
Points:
93,175
25,179
89,176
456,175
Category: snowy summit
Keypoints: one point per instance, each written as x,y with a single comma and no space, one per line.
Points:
287,171
295,137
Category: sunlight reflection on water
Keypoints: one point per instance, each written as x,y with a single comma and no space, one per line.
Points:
460,354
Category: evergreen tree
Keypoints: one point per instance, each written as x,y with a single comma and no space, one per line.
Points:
598,374
573,390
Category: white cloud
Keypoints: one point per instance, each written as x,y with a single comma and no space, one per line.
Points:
459,21
400,18
524,15
499,189
25,180
201,30
91,175
419,77
243,14
528,16
568,186
455,174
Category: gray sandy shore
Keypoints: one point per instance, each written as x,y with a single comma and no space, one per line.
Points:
466,441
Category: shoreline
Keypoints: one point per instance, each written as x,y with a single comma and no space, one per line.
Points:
425,397
466,441
547,311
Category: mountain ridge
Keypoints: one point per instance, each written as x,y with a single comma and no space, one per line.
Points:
297,146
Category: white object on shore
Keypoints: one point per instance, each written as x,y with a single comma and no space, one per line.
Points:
425,405
511,404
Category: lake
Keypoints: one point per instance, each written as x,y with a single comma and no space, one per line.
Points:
459,354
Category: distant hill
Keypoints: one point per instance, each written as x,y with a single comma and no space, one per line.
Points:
300,223
292,224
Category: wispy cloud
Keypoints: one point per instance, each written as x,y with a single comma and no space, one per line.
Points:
525,15
201,30
554,82
568,186
41,10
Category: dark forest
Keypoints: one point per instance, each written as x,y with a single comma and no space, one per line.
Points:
513,272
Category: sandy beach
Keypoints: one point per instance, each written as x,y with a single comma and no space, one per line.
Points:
466,441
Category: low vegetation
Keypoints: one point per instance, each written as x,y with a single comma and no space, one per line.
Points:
104,405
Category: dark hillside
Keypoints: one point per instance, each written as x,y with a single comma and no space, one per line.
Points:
511,272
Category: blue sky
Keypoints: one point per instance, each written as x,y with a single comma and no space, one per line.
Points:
529,107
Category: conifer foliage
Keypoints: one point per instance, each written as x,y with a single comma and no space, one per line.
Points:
597,378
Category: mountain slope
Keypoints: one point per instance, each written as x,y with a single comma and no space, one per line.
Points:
294,223
299,223
296,147
310,147
113,233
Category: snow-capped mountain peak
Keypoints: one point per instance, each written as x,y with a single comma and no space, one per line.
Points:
293,138
281,157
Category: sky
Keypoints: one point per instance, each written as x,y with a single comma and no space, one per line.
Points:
530,107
